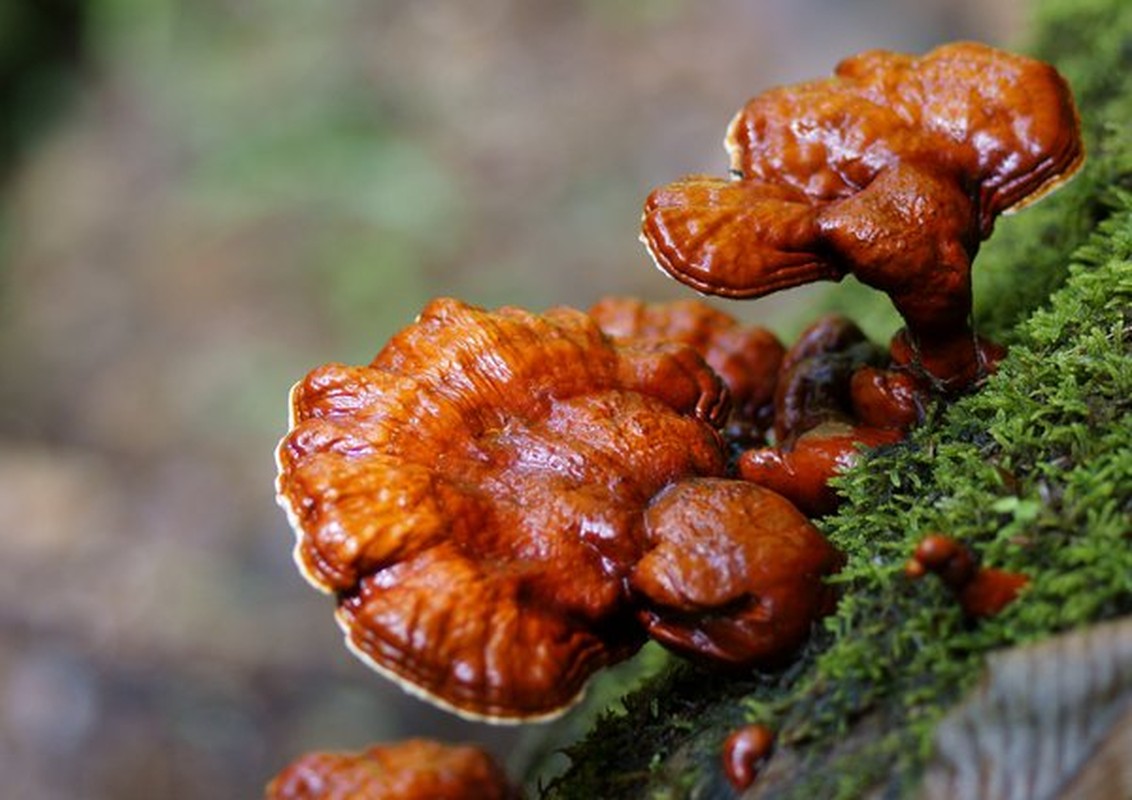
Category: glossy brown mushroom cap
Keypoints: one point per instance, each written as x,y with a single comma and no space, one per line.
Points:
417,769
1002,123
801,472
733,573
747,357
893,170
1011,118
736,239
1000,128
473,497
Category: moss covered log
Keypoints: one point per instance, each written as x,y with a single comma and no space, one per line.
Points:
1034,472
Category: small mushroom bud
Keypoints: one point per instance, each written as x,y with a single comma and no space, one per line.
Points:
982,591
888,398
815,377
743,753
801,472
816,433
417,769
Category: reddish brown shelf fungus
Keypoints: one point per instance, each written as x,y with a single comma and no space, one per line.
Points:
743,753
416,769
486,500
746,357
982,591
817,399
893,170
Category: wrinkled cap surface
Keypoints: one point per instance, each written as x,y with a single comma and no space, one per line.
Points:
1006,122
734,572
736,239
416,769
999,129
474,497
747,357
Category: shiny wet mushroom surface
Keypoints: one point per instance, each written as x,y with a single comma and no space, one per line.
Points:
414,769
486,502
893,170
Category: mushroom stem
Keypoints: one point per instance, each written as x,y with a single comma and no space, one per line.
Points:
926,270
949,362
948,356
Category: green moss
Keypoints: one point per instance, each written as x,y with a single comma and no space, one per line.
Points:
1034,471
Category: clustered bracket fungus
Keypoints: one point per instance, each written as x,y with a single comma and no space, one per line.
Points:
798,416
819,403
894,171
504,503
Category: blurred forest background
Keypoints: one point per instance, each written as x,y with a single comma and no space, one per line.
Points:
199,202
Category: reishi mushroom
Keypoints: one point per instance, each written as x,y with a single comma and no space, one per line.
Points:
817,431
746,357
893,170
486,501
503,503
982,591
801,471
733,572
415,769
743,751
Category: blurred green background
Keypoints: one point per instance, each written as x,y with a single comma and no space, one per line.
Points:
203,200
